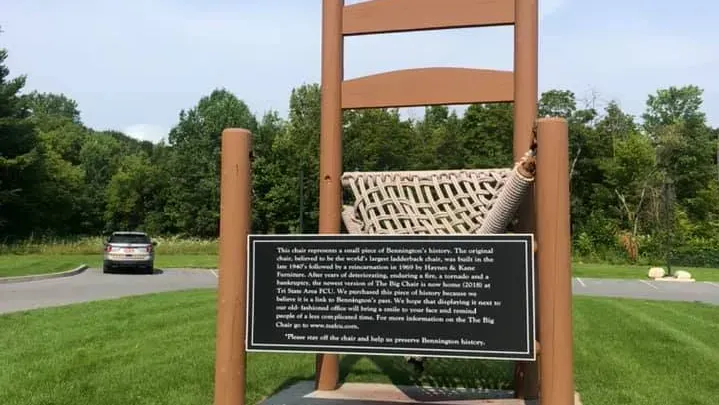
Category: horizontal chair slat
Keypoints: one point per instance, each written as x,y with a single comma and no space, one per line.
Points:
428,86
386,16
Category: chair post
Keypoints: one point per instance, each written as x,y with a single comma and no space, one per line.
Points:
554,262
526,374
235,223
330,204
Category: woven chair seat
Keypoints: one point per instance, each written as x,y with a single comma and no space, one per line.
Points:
436,201
478,201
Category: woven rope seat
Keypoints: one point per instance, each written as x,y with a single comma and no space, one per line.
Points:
473,201
480,201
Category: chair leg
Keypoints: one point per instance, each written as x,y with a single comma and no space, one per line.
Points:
526,380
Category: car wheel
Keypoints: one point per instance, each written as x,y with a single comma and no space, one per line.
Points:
150,269
105,270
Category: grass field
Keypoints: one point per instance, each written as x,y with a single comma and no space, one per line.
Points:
159,349
636,272
24,264
20,265
47,256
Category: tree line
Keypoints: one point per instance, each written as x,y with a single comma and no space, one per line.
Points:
642,188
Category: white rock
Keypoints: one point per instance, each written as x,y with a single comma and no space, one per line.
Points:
682,275
657,272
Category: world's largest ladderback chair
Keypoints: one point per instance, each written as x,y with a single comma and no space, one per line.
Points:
478,201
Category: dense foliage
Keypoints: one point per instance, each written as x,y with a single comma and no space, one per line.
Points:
638,186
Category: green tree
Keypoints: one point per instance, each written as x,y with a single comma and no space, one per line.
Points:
135,197
294,169
265,171
488,132
20,155
100,157
686,147
632,175
378,139
193,207
557,103
440,143
53,105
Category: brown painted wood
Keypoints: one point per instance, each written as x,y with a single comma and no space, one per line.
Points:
330,187
552,210
428,86
526,376
385,16
235,224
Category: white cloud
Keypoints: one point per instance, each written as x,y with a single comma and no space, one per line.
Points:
147,132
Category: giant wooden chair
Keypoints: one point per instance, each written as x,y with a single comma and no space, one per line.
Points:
453,201
441,201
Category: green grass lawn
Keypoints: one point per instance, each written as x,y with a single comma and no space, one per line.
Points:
24,264
38,256
20,265
637,272
646,352
159,349
49,259
49,256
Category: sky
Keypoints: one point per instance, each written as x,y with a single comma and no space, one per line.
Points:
132,65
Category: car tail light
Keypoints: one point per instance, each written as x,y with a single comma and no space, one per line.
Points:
149,249
108,248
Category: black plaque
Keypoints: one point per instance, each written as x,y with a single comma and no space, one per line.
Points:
469,296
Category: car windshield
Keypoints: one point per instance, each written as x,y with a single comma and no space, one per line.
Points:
129,238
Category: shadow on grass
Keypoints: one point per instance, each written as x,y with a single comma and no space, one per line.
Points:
443,379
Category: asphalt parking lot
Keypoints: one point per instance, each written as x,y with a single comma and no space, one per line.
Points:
92,285
701,291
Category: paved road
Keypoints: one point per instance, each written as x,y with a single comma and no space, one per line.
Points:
93,285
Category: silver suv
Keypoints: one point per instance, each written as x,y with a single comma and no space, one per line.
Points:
129,250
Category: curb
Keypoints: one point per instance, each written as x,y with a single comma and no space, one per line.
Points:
674,280
35,277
